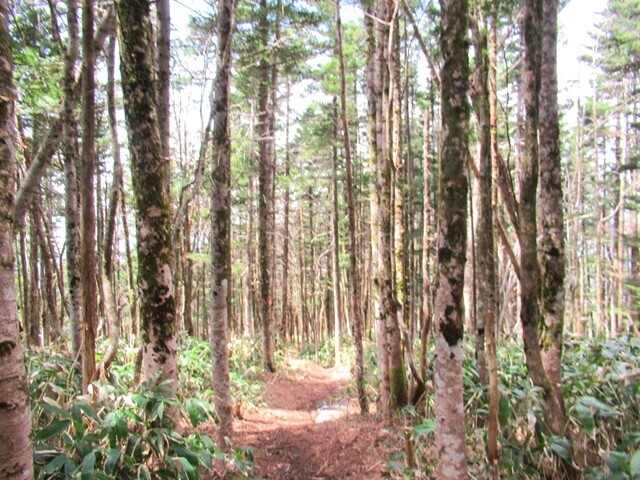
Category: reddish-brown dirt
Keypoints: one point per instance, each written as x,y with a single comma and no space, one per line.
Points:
310,428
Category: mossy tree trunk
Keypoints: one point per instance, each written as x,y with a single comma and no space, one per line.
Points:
16,455
374,99
221,225
452,239
149,171
384,185
550,206
530,282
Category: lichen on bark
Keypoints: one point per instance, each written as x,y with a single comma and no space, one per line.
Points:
150,169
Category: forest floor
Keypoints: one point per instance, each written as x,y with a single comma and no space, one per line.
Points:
309,428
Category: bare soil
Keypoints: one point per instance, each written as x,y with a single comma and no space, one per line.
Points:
310,428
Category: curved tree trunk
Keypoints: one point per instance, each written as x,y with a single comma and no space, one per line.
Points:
16,455
452,239
149,170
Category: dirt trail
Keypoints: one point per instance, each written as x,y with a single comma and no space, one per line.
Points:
311,429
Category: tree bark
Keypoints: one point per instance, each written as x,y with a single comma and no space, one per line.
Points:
265,192
550,206
71,156
16,455
354,277
148,168
530,282
88,239
221,225
452,236
335,231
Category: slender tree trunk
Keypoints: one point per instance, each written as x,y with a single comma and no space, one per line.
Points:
149,170
265,193
550,206
354,277
484,259
16,454
452,236
88,271
163,13
285,332
426,247
108,279
491,266
374,98
388,301
335,234
221,225
530,282
71,156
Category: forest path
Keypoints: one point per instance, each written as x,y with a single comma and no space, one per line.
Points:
309,427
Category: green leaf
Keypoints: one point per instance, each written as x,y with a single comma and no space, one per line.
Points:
143,472
503,411
48,405
55,464
88,466
88,411
427,427
55,428
561,451
113,456
617,462
186,465
634,464
585,415
601,407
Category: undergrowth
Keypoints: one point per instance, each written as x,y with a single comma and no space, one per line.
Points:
602,400
122,431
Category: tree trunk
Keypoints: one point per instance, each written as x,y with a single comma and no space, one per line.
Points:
530,282
492,317
16,454
485,296
108,279
88,239
221,225
335,231
354,277
452,237
149,170
265,187
550,206
383,174
70,156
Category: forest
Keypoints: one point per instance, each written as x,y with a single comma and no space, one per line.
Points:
299,239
